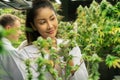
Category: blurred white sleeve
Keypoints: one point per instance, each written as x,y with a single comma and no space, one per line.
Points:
22,45
81,73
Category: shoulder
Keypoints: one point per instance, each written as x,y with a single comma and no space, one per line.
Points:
8,49
7,44
76,51
29,49
62,41
22,45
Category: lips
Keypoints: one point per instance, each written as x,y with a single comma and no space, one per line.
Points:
51,32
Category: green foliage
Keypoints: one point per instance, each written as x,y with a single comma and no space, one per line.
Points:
98,33
1,36
29,72
49,65
19,14
113,61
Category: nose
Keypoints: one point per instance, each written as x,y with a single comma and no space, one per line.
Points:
49,26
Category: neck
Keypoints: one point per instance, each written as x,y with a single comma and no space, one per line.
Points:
9,38
12,39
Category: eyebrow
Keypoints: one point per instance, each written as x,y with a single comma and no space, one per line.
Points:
44,19
52,15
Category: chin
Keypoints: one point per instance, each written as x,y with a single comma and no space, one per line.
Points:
16,39
52,37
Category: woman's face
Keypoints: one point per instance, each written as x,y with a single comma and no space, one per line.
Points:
45,22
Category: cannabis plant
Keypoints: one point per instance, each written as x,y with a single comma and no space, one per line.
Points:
55,56
1,36
98,35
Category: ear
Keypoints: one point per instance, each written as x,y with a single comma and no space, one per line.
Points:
7,27
34,28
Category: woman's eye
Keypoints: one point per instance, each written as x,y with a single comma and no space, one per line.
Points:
42,22
52,18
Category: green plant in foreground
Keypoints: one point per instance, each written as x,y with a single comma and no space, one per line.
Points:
29,73
98,33
48,65
113,61
1,36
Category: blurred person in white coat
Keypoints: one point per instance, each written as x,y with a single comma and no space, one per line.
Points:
8,58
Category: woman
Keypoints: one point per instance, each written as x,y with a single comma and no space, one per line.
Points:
41,21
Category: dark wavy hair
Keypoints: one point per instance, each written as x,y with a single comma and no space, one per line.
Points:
31,34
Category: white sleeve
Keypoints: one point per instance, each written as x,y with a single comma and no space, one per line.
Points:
81,73
22,45
9,66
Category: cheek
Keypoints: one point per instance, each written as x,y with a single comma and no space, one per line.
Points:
56,24
41,29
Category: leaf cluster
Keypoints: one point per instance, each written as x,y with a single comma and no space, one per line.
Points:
1,36
57,56
98,33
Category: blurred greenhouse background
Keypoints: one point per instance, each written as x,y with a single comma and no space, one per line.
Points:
93,24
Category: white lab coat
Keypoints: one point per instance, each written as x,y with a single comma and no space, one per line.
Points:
31,52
